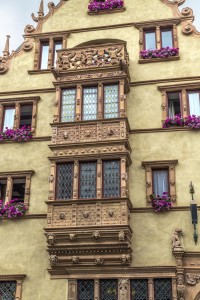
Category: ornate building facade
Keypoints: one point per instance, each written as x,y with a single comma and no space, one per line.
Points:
98,188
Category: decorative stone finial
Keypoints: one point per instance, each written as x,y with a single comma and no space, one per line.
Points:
41,10
6,52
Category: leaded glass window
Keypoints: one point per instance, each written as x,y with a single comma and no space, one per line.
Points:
139,289
111,178
64,181
85,290
108,289
7,290
111,103
90,103
68,105
87,179
162,289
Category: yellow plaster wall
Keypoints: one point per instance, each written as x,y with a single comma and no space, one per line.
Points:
23,251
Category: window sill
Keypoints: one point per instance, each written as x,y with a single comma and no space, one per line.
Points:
153,60
35,72
110,11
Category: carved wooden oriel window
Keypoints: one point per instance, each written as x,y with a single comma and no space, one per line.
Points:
11,287
111,178
160,175
64,181
15,185
18,112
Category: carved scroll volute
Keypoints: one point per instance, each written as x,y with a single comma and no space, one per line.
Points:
52,183
141,40
124,289
75,182
1,116
124,179
151,289
37,55
9,189
78,102
185,112
122,107
172,182
158,37
164,105
34,115
175,36
100,101
17,114
72,289
57,105
99,179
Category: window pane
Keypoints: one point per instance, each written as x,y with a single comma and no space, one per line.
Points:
174,107
9,113
108,289
150,40
57,46
163,289
166,36
90,103
3,184
18,190
68,105
7,290
85,289
26,115
111,101
160,182
88,180
194,102
139,289
64,181
44,56
111,179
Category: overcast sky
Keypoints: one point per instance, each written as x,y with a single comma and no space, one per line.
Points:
15,15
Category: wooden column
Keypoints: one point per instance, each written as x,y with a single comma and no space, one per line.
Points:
17,115
158,37
78,108
164,106
99,179
51,54
75,181
100,101
184,105
52,182
122,99
124,178
57,105
151,288
72,289
9,189
175,36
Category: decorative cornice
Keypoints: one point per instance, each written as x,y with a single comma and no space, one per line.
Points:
160,22
12,276
17,173
179,87
160,163
24,92
21,99
157,81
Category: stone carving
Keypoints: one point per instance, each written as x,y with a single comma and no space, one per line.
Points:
111,213
51,239
96,234
29,29
125,259
192,279
99,261
75,259
122,236
123,289
86,214
65,135
180,288
3,64
176,244
51,178
28,44
62,215
187,28
53,259
72,236
86,58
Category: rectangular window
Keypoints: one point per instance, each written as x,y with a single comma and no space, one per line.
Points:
160,181
85,289
90,95
162,289
150,40
68,105
9,113
44,55
87,180
108,289
174,104
111,101
18,189
8,290
57,46
139,289
166,38
26,115
111,178
64,181
194,103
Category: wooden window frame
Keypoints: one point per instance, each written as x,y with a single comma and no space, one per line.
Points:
9,176
100,100
19,283
149,166
17,102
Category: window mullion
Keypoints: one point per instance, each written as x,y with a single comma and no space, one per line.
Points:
34,114
18,289
27,190
122,99
158,37
100,101
76,181
96,289
79,106
57,106
151,288
1,116
185,108
164,105
174,288
51,53
51,182
17,115
99,179
9,189
175,36
124,179
141,39
37,54
72,289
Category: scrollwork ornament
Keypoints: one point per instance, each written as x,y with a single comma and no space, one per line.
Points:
188,28
192,279
28,44
29,29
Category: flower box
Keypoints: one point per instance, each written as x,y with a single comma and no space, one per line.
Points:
161,203
160,54
192,122
17,135
12,209
98,6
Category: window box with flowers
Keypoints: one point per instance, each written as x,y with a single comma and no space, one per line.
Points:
12,209
161,203
105,6
18,135
192,122
159,54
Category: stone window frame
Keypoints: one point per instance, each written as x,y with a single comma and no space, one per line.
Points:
157,25
16,102
100,99
19,278
9,176
184,103
162,164
123,286
99,186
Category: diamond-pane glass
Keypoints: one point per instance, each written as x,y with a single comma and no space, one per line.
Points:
108,289
85,290
64,181
111,105
162,289
68,105
111,178
90,103
7,290
88,180
139,289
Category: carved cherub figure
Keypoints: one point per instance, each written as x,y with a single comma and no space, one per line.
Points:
176,238
180,288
